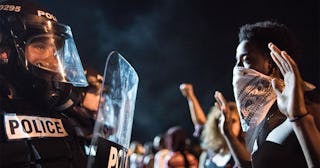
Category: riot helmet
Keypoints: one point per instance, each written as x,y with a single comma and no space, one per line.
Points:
39,60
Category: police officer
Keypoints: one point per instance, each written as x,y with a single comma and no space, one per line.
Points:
84,112
39,69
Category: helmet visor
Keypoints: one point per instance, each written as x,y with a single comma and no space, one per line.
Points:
50,47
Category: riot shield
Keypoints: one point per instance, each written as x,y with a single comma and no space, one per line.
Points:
113,126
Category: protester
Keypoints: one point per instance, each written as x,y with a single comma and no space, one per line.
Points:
279,110
178,156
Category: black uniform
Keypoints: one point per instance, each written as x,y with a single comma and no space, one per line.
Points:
43,150
287,154
39,69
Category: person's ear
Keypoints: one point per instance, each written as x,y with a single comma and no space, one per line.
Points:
272,69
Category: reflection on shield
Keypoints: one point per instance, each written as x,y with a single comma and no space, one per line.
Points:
115,115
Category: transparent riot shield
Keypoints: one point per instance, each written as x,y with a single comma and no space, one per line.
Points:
112,130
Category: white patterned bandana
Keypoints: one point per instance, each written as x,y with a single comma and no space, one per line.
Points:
254,96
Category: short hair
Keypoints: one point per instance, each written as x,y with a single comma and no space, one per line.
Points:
261,33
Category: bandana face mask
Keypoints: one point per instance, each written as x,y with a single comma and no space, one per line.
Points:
254,96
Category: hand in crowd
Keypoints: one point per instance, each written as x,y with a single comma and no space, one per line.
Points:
186,89
225,123
290,99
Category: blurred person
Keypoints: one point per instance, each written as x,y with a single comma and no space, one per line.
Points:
137,152
92,92
148,158
279,110
159,143
83,114
178,156
215,149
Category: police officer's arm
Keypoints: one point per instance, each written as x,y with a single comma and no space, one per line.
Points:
236,146
197,115
304,118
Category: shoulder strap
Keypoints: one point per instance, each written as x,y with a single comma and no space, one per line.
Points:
272,120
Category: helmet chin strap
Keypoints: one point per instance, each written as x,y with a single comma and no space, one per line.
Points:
65,105
59,95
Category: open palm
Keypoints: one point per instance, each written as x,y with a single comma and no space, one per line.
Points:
225,120
290,97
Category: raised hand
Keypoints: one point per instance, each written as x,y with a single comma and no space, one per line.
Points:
186,89
225,123
290,97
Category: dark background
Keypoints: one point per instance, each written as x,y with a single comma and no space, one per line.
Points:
170,42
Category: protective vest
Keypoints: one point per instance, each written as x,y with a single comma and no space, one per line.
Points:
42,141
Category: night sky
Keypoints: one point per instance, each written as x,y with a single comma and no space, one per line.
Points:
169,42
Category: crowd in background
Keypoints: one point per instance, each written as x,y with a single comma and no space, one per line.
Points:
174,148
274,121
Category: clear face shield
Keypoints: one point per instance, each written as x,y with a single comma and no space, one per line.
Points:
51,51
